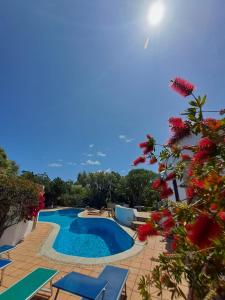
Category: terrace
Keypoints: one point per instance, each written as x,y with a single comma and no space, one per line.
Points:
26,257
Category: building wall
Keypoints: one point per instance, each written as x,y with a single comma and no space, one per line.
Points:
190,140
16,233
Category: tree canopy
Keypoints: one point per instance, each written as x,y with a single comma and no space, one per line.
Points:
7,167
98,188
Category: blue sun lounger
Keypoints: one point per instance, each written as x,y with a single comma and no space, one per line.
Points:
3,264
81,285
116,278
108,286
6,249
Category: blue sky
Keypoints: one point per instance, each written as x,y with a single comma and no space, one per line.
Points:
78,91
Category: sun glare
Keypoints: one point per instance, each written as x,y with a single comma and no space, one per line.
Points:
156,13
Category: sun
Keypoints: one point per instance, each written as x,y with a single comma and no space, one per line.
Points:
156,13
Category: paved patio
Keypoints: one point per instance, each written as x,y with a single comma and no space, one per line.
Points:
26,257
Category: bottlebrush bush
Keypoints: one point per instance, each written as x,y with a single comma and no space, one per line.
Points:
196,224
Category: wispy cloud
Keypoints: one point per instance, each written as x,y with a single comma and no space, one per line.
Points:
93,162
125,138
70,163
88,154
99,153
129,140
59,159
55,165
91,145
108,170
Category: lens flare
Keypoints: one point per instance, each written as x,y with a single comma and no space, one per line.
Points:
156,13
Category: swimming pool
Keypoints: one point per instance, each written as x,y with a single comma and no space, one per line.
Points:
86,237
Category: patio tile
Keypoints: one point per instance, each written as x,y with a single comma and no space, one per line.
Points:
26,257
135,296
131,281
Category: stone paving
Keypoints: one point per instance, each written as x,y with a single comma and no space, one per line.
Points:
26,258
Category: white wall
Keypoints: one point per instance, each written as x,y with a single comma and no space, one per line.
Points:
16,233
125,215
189,140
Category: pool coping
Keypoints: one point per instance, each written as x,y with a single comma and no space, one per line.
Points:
47,249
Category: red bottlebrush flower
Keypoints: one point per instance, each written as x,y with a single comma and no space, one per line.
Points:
182,86
162,187
147,150
185,157
200,156
174,243
190,193
212,124
142,237
156,216
170,176
190,172
221,215
205,144
213,207
179,128
168,224
161,167
148,146
166,212
187,147
153,160
140,159
203,231
177,123
149,136
165,193
197,183
188,227
143,144
145,230
158,184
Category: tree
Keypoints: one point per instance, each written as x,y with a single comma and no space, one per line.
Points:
57,189
82,179
137,182
43,180
77,196
103,187
7,167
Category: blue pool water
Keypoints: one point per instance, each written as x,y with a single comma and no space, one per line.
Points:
90,237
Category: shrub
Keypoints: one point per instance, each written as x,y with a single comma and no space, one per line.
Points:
18,197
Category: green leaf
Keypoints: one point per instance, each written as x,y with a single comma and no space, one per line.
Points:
193,103
191,117
203,100
198,101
